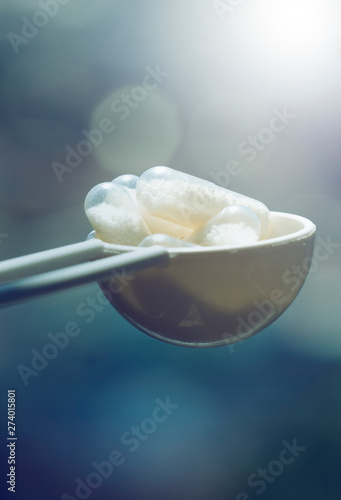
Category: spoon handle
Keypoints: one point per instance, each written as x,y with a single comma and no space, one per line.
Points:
81,274
56,258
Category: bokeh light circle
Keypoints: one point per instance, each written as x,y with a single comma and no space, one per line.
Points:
147,130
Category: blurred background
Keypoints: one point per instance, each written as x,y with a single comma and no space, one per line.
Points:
193,85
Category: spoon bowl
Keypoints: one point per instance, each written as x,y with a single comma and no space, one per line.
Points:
214,296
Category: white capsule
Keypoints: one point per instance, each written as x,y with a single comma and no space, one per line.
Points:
188,200
164,240
157,225
235,225
127,180
114,215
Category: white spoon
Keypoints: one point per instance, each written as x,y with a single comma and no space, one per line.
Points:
196,297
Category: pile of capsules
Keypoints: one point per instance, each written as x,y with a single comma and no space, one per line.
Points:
170,208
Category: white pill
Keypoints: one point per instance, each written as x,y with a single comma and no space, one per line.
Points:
158,225
235,225
165,241
127,180
155,224
114,215
188,200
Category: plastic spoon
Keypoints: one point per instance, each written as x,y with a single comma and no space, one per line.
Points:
195,297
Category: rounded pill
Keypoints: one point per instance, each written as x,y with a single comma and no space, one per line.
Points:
234,225
114,215
189,201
